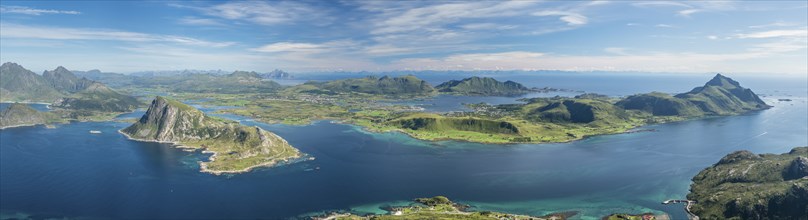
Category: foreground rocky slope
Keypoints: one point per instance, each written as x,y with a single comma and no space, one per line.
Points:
236,148
743,185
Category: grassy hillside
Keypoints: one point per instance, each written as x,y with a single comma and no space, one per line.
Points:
719,96
482,86
743,185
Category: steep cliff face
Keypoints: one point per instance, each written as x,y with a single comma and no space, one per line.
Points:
237,148
482,86
747,186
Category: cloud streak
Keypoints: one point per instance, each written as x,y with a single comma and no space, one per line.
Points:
34,11
60,33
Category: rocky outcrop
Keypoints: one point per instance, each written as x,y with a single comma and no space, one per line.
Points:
236,148
744,185
798,168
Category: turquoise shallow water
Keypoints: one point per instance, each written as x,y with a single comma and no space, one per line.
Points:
68,172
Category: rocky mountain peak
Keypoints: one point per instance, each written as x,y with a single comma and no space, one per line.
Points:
723,81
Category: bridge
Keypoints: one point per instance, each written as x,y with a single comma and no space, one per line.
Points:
689,203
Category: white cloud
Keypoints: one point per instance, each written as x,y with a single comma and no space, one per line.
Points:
775,24
487,26
290,47
266,13
664,26
712,37
571,18
616,50
60,33
523,60
776,34
406,19
690,7
33,11
199,21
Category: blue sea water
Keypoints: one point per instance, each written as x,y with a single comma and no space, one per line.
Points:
68,172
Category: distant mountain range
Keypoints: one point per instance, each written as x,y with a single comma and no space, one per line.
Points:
395,86
61,88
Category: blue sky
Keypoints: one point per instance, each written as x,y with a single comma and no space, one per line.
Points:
651,36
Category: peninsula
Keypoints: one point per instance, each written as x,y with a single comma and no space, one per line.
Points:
236,148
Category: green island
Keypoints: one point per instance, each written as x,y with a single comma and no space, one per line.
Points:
744,185
236,148
440,207
538,120
19,114
71,98
483,86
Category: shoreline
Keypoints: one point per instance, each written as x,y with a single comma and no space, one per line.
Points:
26,102
22,125
203,164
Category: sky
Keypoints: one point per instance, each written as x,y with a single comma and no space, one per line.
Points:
761,37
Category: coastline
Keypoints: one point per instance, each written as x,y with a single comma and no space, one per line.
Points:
203,164
26,102
22,125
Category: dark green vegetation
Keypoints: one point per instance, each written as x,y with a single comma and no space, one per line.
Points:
236,148
561,119
83,97
484,86
538,120
393,86
719,96
440,207
18,114
743,185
